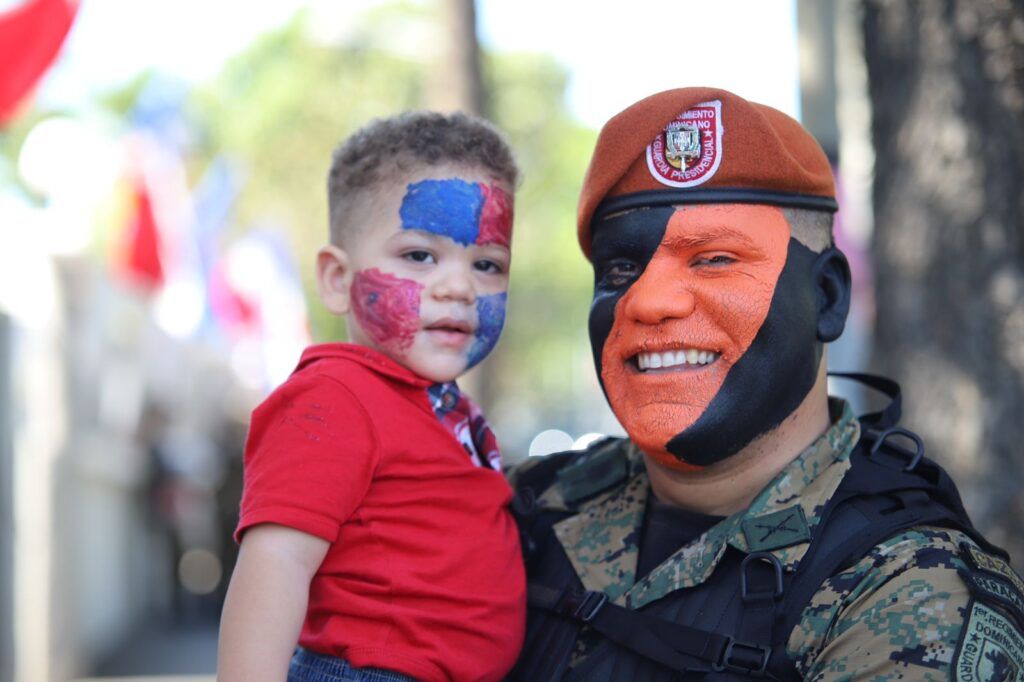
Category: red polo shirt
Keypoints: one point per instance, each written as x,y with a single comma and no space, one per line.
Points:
424,574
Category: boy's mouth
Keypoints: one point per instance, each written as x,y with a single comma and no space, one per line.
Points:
450,331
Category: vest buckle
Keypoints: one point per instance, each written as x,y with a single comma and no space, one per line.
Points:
583,606
743,657
758,587
913,457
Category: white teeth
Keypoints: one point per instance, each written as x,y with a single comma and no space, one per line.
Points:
687,356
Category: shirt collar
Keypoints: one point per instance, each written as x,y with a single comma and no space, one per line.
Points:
365,356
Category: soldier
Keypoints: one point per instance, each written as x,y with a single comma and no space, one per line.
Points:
750,525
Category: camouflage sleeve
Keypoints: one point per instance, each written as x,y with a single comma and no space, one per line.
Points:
514,472
900,613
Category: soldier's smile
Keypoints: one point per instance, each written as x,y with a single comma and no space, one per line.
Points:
681,359
671,318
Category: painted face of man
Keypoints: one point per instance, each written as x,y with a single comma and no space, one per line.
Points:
431,271
703,326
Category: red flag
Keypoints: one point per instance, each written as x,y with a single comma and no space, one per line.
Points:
30,37
140,255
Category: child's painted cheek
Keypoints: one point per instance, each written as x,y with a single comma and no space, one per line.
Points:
496,217
490,319
386,307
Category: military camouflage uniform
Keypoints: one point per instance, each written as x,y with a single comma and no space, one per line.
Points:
903,612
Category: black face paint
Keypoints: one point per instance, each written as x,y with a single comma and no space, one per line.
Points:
620,243
765,385
771,379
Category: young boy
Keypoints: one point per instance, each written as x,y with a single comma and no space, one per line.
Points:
374,516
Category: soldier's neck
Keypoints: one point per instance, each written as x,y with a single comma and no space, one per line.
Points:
731,485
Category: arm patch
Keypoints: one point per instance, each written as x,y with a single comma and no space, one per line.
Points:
991,564
991,648
989,588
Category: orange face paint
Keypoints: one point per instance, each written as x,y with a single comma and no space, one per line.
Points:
707,289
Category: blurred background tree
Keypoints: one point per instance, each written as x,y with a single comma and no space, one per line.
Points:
947,92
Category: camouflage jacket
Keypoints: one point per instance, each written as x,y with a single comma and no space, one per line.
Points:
903,612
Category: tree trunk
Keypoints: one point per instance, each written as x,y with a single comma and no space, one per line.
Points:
459,84
946,80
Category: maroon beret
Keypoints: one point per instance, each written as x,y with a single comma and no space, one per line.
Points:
702,145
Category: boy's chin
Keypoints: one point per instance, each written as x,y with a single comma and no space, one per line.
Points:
438,367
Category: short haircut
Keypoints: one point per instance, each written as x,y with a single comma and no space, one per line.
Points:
811,228
385,149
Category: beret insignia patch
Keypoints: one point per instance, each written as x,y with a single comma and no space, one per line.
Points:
688,151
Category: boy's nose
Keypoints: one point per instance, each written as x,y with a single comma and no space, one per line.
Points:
454,284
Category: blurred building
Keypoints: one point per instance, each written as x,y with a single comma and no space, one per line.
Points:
115,440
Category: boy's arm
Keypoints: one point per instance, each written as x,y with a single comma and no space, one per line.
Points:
266,603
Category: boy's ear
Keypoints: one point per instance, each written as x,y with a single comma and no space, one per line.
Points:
833,286
334,279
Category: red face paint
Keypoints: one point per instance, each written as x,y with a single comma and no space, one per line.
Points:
495,216
708,287
386,307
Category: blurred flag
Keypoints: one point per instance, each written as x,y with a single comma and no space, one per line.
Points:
213,199
140,260
30,37
261,273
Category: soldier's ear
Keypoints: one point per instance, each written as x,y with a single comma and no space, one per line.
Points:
832,285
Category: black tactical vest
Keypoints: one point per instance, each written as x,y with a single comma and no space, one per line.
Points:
735,625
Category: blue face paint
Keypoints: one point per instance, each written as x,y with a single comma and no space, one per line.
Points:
490,312
450,208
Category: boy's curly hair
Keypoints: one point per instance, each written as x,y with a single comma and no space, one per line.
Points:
382,150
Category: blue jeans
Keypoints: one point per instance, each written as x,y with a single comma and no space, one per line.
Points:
309,666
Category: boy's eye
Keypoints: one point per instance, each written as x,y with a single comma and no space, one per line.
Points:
419,256
488,266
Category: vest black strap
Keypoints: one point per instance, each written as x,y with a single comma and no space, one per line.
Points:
762,586
874,502
670,644
884,418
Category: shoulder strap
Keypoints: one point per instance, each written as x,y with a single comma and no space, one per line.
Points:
681,648
655,638
890,415
874,502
